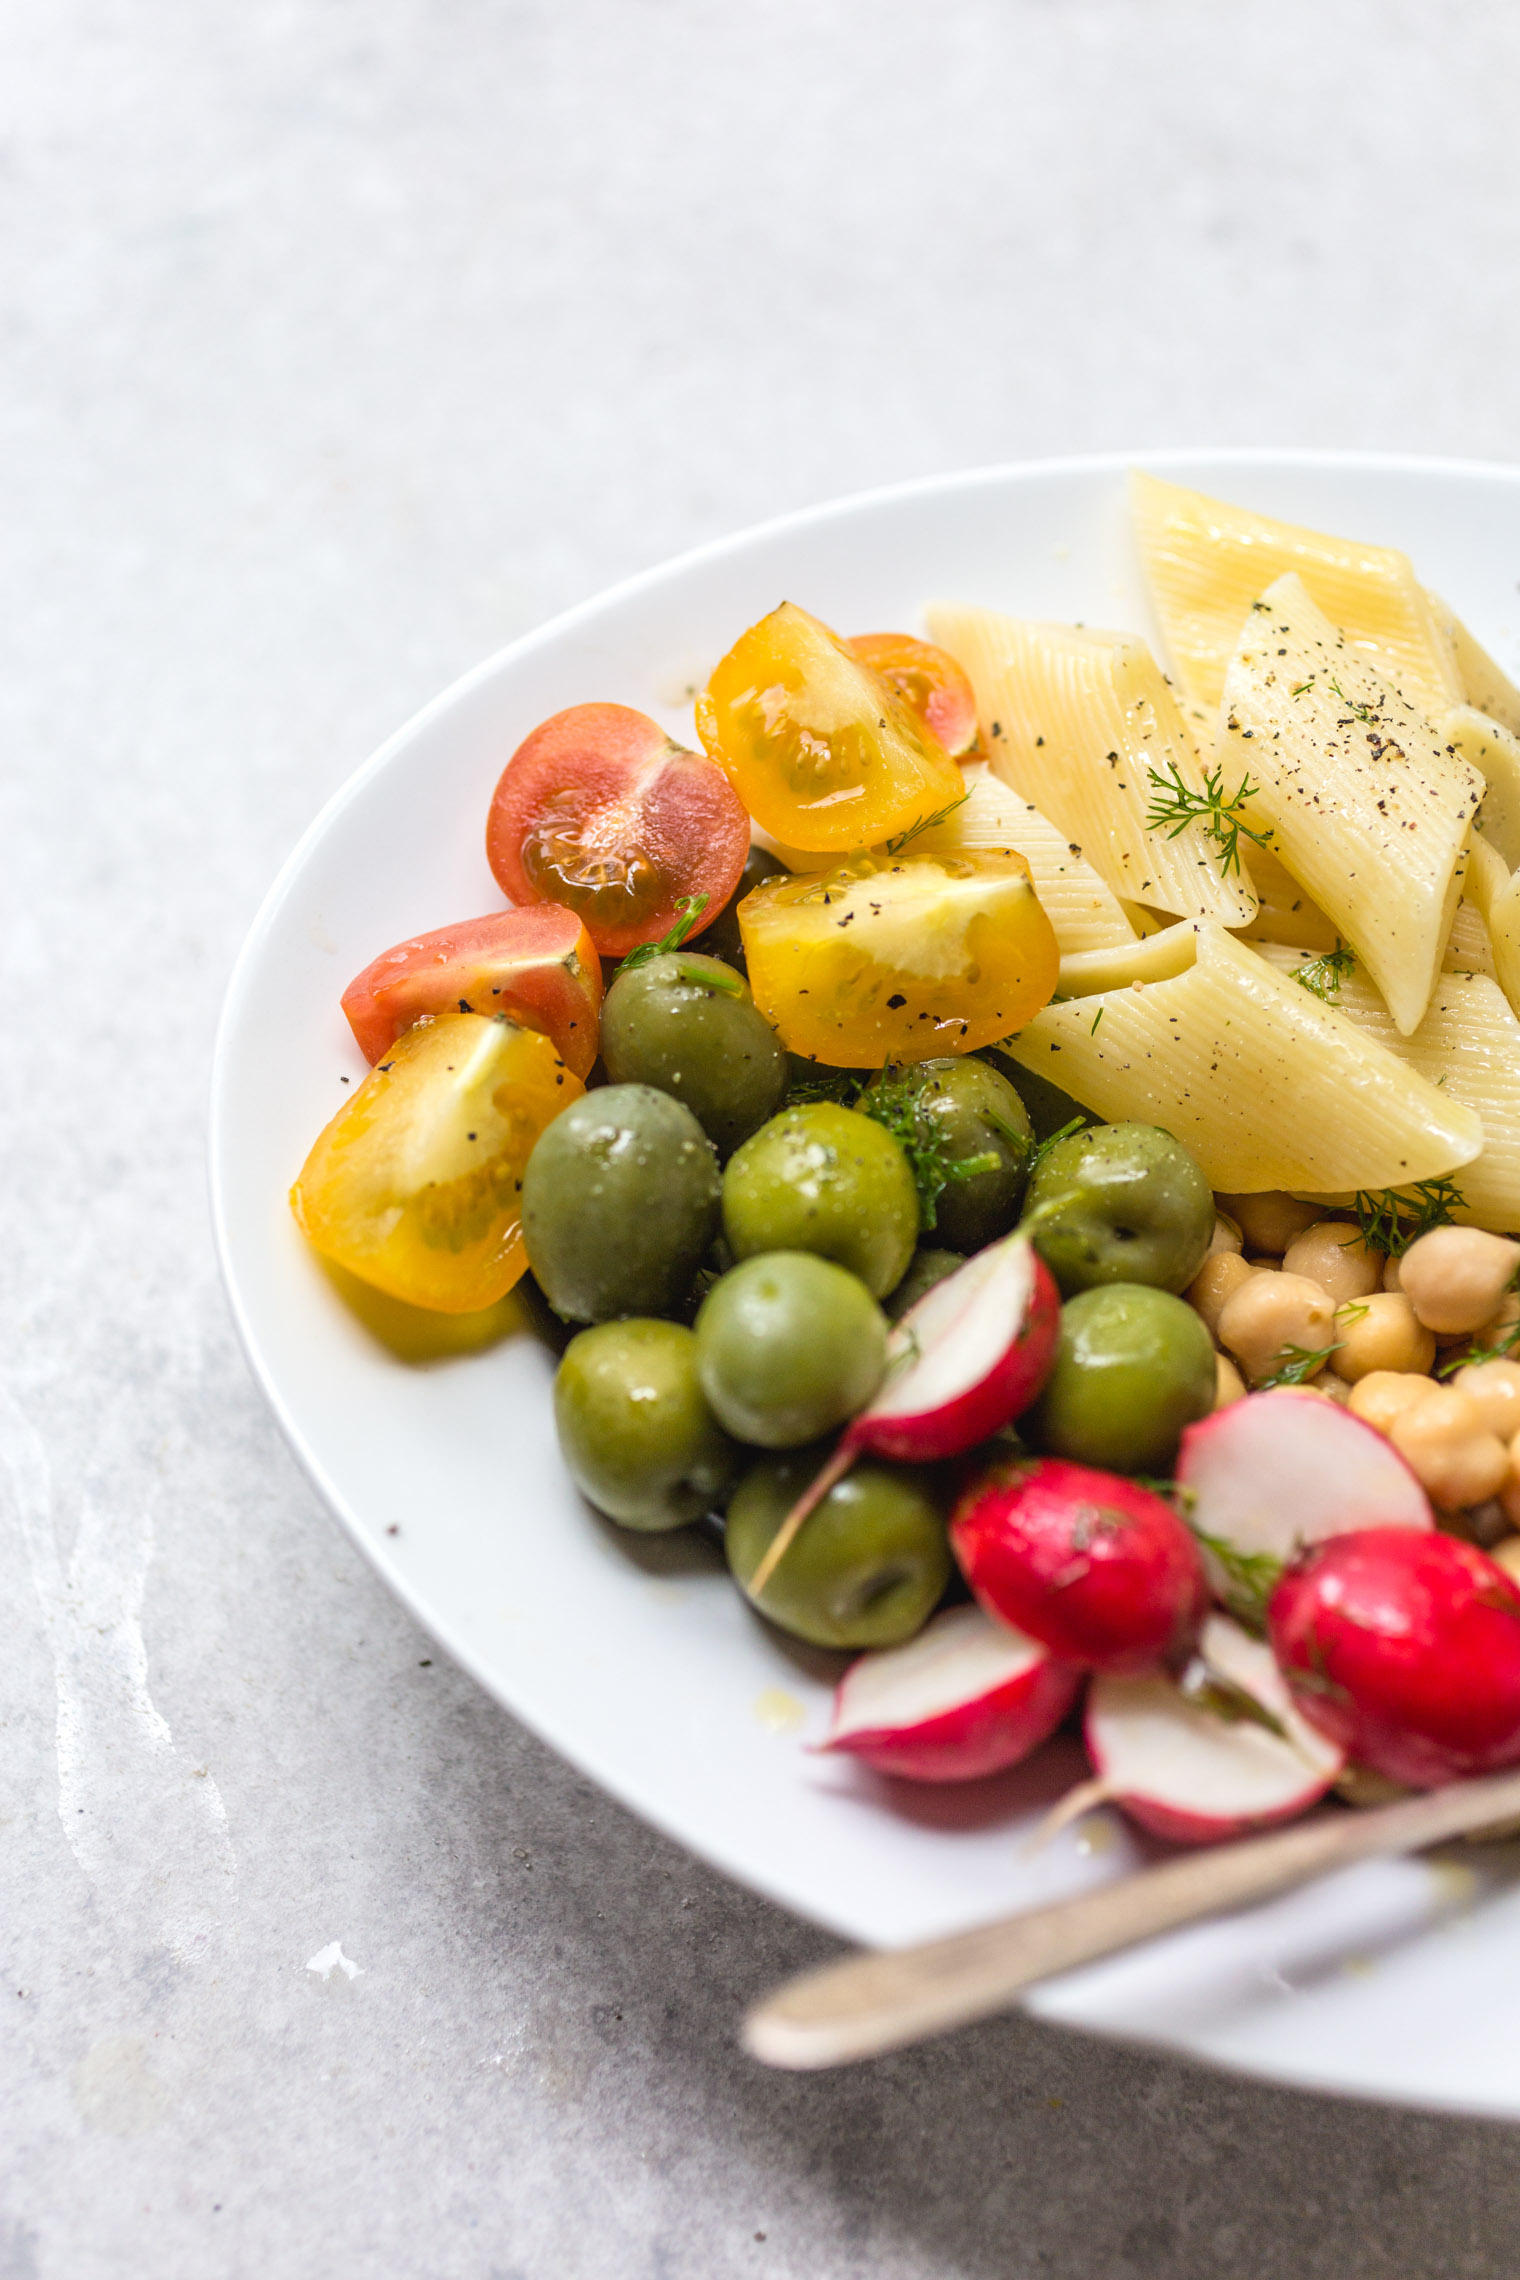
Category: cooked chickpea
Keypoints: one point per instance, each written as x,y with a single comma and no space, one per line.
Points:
1334,1254
1226,1235
1450,1450
1334,1387
1268,1315
1500,1328
1383,1395
1507,1553
1229,1385
1217,1280
1495,1387
1381,1333
1455,1277
1269,1222
1391,1275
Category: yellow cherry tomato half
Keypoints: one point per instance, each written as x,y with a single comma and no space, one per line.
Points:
416,1185
823,751
930,681
899,959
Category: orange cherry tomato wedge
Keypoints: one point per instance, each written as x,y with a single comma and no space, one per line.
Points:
930,681
886,960
598,810
416,1184
821,749
538,966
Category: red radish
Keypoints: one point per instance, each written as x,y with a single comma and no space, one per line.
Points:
1191,1762
1404,1647
599,809
966,1360
538,966
1275,1472
1097,1568
967,1697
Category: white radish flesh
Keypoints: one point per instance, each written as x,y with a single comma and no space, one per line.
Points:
967,1697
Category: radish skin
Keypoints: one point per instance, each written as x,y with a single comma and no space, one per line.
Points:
968,1697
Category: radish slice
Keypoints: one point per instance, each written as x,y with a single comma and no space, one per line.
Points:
967,1697
1275,1472
1194,1774
965,1360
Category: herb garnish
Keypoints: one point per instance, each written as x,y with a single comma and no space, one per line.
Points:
1250,1578
1174,805
689,909
1392,1219
1299,1366
1325,974
894,1101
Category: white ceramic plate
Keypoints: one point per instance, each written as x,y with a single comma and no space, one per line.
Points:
637,1659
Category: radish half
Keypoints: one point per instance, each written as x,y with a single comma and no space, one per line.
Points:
967,1697
963,1362
1275,1472
1186,1768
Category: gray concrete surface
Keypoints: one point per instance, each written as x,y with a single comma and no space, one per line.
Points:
343,339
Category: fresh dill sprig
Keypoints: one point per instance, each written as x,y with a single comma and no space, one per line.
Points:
689,909
1475,1356
1208,1689
1174,805
1299,1366
1077,1124
899,839
1325,974
894,1101
1391,1219
1357,710
1250,1578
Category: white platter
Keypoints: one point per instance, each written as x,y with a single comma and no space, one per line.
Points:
636,1659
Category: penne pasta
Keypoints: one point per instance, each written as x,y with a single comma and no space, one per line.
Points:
1482,684
1495,753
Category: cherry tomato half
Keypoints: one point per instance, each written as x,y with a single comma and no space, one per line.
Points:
538,966
416,1184
930,681
600,811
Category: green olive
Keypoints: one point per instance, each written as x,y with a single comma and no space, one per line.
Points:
967,1113
925,1270
638,1438
1135,1365
826,1179
1120,1203
687,1024
1050,1110
620,1200
722,938
868,1564
788,1346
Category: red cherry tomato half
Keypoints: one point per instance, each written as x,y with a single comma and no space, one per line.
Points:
538,966
600,811
928,680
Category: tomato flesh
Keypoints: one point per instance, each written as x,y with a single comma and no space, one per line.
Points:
930,681
598,810
886,960
416,1184
539,966
823,751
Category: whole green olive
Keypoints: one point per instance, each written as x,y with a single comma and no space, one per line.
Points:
1134,1366
722,939
788,1346
637,1436
868,1564
1120,1203
687,1024
826,1179
620,1200
926,1268
966,1113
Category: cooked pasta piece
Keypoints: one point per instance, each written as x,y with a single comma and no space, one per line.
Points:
1368,806
1086,726
1206,562
1267,1085
1468,949
1484,685
1490,748
1469,1045
1496,891
1285,911
1129,965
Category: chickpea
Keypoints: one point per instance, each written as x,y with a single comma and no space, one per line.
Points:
1221,1275
1226,1235
1385,1394
1334,1387
1507,1554
1391,1275
1229,1385
1500,1328
1269,1314
1450,1450
1495,1387
1455,1277
1269,1222
1381,1333
1334,1254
